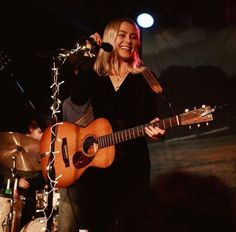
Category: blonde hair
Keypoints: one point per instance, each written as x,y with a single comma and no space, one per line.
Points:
108,61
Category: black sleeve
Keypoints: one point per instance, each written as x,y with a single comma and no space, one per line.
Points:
82,87
37,182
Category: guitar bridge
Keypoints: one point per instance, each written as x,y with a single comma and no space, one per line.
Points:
64,149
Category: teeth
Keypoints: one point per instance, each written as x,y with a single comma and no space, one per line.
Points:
126,48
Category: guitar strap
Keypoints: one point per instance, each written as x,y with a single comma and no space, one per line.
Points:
88,116
152,80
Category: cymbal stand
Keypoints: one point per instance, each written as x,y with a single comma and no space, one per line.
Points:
7,223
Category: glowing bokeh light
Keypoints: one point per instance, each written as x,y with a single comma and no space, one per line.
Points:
145,20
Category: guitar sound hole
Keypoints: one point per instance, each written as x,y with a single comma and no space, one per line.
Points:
90,146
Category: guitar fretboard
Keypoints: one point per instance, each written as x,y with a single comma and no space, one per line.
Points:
134,132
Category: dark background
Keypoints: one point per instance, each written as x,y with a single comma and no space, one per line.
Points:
32,31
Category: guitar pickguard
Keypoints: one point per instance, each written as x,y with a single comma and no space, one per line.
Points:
83,158
80,160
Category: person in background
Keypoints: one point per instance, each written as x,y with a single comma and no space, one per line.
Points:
28,181
117,90
28,185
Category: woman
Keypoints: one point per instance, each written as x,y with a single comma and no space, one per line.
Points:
118,92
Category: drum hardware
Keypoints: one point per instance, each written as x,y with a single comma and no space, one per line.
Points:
7,223
12,211
42,199
39,224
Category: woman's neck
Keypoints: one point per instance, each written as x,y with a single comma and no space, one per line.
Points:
122,69
117,79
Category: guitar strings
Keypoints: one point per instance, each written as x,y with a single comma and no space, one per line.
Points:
115,137
122,135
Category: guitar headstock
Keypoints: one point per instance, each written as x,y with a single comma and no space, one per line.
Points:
200,115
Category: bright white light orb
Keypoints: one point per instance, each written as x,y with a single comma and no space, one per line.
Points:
145,20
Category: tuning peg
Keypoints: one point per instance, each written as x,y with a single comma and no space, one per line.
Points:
207,123
186,110
198,125
189,127
203,106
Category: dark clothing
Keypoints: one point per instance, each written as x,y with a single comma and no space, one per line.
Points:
110,191
36,181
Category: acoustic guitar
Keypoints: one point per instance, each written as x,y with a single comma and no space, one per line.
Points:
71,149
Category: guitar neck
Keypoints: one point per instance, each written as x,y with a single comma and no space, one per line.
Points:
135,132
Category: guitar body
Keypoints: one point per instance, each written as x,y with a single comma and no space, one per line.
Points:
75,149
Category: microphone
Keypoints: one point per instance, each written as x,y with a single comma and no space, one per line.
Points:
107,47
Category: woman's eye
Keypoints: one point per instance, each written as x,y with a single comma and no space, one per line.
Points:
134,37
121,35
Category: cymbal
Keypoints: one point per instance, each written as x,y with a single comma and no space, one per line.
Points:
22,148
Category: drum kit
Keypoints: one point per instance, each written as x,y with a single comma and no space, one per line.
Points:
20,153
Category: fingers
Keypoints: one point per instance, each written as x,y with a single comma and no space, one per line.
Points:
23,183
155,120
97,38
154,131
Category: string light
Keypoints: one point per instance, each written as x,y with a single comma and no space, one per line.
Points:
55,110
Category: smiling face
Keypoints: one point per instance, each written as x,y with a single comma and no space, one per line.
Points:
127,41
124,35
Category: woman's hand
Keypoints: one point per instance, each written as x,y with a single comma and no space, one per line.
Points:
154,132
97,38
